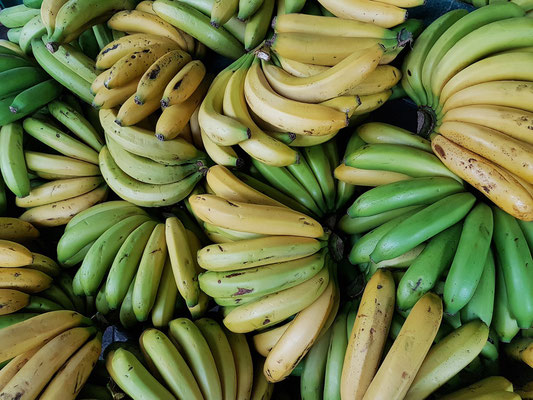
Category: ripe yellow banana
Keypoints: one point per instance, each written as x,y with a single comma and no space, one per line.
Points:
276,307
59,165
131,112
61,212
381,14
183,84
143,22
336,81
269,220
493,181
14,366
70,379
300,69
296,341
285,114
44,264
13,254
384,77
400,366
488,385
15,229
221,155
12,301
371,102
146,6
49,10
265,341
110,98
24,279
369,333
367,177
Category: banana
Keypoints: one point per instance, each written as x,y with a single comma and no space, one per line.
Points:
262,389
198,25
301,334
492,385
314,369
499,67
170,364
257,25
247,8
57,295
13,49
110,98
470,48
77,61
16,230
183,84
144,193
401,239
12,163
356,225
33,29
367,177
126,315
299,69
504,323
322,169
222,155
383,15
25,279
336,352
132,377
230,234
243,364
13,366
384,77
402,363
521,349
75,372
250,217
336,81
61,212
367,338
49,10
222,11
12,301
17,16
10,61
166,299
144,22
61,73
265,341
304,174
189,340
131,113
88,43
20,78
288,115
369,103
254,282
102,34
65,283
496,183
378,132
25,102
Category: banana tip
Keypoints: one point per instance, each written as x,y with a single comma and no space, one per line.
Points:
215,24
14,110
138,101
118,122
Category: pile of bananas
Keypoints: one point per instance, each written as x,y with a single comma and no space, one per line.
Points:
133,264
74,177
48,356
197,360
470,75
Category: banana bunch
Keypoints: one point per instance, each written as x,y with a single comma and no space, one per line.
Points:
25,86
195,360
47,356
66,20
74,181
474,99
133,264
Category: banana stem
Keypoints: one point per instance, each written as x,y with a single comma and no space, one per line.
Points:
426,120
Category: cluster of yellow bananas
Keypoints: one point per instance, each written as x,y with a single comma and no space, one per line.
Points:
475,94
197,360
132,263
49,356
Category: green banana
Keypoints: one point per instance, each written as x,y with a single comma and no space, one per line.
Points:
281,179
149,273
74,260
262,280
320,165
166,299
294,6
412,192
257,25
144,194
33,29
56,294
356,225
198,26
527,230
60,72
76,123
335,359
312,379
126,315
91,225
422,226
77,62
361,250
17,16
345,191
12,162
303,173
18,79
13,35
247,8
191,343
8,62
40,304
103,35
88,44
470,258
59,141
35,97
97,209
505,325
100,302
33,3
379,132
65,283
514,258
125,263
481,305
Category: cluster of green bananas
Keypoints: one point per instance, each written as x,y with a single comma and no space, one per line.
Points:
133,264
47,356
197,360
470,75
74,181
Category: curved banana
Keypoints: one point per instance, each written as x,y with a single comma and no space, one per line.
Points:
12,300
16,230
183,84
384,15
367,177
12,163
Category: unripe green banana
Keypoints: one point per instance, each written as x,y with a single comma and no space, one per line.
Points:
12,162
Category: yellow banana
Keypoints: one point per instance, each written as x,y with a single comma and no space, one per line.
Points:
61,212
98,83
146,6
510,153
369,333
243,364
44,264
25,279
488,385
14,366
143,22
384,77
221,155
261,388
367,177
521,349
33,377
402,362
255,218
70,379
276,307
53,164
15,229
183,84
49,10
222,11
12,301
300,69
449,356
493,181
299,336
265,341
110,98
13,254
346,104
336,81
372,102
285,114
131,112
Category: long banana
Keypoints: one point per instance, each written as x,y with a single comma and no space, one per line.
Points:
12,163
